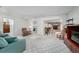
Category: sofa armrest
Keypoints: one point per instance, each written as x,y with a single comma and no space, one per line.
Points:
15,47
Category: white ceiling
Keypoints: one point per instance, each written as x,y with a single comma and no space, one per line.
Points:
38,11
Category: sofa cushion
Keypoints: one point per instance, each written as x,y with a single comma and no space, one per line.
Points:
75,38
3,42
10,39
16,47
75,33
3,35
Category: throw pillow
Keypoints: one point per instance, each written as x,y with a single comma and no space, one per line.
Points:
3,42
10,39
3,35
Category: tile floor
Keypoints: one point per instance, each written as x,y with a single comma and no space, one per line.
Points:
45,44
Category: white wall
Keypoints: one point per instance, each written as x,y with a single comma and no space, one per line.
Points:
18,24
75,15
41,25
1,24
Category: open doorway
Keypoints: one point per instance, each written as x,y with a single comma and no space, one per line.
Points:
52,27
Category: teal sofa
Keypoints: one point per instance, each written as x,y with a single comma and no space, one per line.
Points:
17,46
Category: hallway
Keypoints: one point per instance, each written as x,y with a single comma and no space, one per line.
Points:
45,44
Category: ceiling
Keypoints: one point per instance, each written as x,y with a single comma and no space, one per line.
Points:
38,11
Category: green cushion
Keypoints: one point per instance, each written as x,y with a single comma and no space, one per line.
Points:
3,35
10,39
75,33
3,42
76,39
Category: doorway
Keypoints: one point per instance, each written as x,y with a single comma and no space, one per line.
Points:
52,27
8,25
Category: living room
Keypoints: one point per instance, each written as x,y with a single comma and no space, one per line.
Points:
42,28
